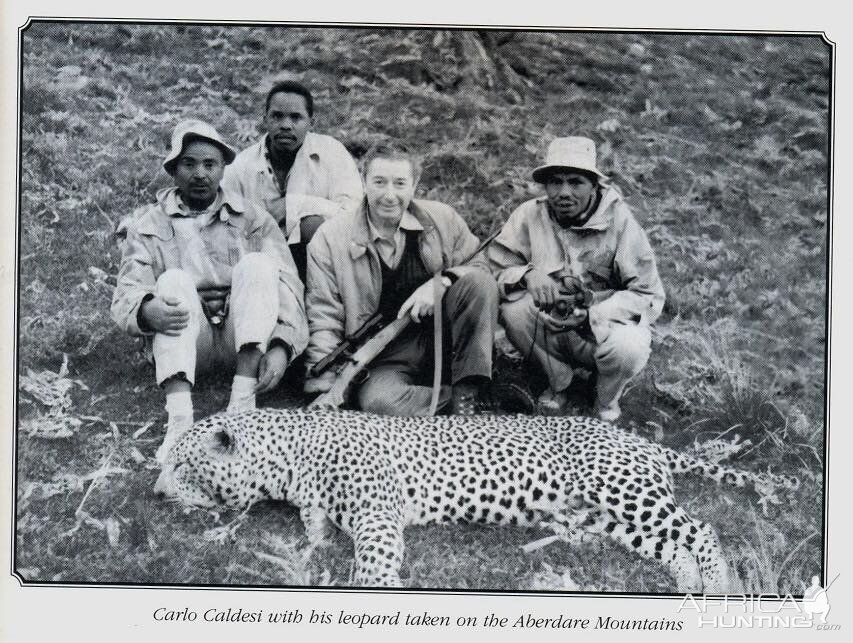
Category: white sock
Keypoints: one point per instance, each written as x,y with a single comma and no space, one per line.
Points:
242,394
179,406
179,403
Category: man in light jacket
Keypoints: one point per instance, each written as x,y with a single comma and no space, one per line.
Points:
382,259
579,237
300,177
209,281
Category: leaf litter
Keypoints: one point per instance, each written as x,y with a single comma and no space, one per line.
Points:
53,391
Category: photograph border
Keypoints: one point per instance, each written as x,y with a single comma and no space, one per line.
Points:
831,130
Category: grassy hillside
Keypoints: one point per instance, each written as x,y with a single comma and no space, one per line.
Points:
719,142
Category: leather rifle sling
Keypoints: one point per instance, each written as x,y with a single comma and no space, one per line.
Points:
438,333
438,330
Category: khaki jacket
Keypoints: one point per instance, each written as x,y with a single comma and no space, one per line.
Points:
610,252
232,231
345,275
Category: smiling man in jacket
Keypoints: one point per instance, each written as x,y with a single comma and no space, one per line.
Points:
382,259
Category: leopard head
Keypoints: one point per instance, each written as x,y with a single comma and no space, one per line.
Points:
211,465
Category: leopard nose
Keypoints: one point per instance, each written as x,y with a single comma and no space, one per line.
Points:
163,486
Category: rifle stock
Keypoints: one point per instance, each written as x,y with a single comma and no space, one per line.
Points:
337,395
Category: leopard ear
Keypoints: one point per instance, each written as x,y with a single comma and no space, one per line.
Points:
223,440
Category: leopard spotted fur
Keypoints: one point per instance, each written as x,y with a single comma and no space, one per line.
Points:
371,476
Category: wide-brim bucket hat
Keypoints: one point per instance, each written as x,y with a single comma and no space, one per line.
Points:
569,153
195,130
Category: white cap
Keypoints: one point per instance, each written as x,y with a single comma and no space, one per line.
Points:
568,153
195,129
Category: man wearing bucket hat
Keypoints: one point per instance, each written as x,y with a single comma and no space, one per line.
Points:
579,243
209,281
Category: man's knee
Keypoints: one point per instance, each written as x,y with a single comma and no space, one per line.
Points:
175,283
477,285
382,400
518,315
387,392
627,348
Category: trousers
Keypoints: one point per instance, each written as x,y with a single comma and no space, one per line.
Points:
618,352
400,377
251,319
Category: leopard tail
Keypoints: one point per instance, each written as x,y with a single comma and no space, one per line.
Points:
686,463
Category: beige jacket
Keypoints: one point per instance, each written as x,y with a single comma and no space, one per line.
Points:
323,181
345,275
610,252
234,229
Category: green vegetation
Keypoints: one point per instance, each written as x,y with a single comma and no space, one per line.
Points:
719,142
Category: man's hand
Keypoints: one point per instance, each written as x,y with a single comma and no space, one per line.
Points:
164,315
556,325
271,369
544,289
320,384
421,303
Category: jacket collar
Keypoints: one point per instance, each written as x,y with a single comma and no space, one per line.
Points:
227,203
407,222
362,234
311,147
600,219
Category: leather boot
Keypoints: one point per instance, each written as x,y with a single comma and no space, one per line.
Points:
464,400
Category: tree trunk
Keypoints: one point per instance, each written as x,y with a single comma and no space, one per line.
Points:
484,66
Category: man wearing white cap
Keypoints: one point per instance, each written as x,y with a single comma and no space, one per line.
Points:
579,243
209,281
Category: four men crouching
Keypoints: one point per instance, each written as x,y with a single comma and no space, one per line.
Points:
208,278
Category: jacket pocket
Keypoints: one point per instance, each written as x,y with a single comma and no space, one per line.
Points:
224,244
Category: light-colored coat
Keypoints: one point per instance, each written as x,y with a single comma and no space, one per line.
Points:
238,228
323,181
610,252
345,274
